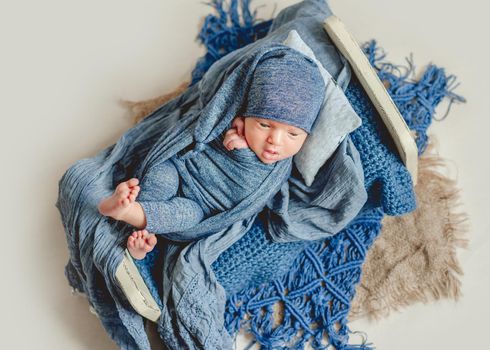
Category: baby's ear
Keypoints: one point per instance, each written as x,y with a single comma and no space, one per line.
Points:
239,125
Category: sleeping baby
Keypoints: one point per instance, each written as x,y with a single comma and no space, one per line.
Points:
283,101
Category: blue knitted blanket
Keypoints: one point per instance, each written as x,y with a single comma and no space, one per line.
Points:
315,293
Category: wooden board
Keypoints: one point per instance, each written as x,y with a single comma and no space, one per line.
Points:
377,93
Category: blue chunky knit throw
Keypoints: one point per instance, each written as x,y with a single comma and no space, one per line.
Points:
315,292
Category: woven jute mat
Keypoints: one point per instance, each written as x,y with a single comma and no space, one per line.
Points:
414,259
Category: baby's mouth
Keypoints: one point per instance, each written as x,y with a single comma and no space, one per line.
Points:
270,154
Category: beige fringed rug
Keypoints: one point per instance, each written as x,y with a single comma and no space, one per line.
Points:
414,257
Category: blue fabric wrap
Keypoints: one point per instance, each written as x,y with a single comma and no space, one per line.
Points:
287,90
209,182
193,302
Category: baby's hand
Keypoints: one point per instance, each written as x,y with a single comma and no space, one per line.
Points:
235,138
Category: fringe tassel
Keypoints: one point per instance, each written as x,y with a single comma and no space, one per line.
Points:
225,32
308,304
416,98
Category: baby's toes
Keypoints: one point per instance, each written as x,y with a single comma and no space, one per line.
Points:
136,190
132,182
141,243
122,188
133,195
122,194
130,242
151,240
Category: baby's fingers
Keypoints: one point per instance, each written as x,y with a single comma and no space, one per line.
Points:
231,132
229,138
230,145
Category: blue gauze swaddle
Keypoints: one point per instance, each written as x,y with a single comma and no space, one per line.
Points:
193,301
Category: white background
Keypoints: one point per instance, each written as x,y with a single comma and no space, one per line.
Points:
65,64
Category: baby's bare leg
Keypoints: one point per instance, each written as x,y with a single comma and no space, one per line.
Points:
140,243
122,204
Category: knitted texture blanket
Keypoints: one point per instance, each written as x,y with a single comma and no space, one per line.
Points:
314,296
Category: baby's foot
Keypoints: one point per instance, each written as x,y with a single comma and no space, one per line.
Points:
140,243
124,195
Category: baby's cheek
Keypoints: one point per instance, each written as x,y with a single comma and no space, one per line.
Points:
293,150
300,144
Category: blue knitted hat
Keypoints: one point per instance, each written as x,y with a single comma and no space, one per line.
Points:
287,88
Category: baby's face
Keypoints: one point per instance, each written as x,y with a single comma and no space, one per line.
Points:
271,140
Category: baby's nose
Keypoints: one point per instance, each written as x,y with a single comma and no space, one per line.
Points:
276,137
